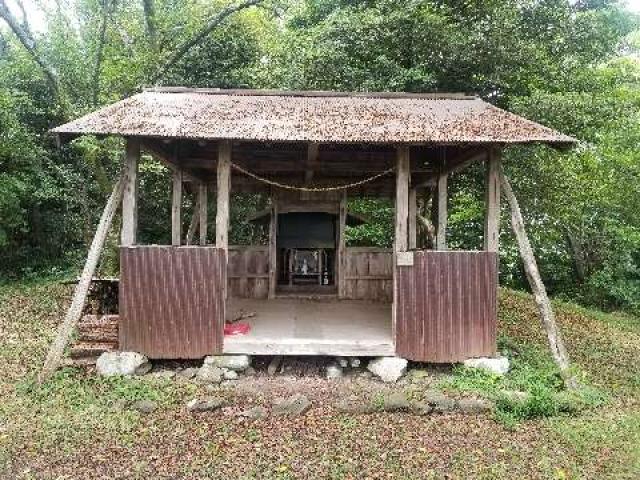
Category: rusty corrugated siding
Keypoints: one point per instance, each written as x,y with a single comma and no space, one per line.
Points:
447,306
312,117
172,301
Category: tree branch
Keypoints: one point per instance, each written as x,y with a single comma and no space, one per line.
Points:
183,49
29,44
107,7
150,21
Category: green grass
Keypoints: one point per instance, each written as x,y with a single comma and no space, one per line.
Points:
80,426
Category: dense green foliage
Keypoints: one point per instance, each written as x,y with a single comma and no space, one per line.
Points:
570,65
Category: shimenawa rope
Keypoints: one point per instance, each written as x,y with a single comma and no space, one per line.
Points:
310,189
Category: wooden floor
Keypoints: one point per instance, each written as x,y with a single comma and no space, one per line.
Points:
293,326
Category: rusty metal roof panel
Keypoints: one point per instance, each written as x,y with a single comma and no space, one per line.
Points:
323,117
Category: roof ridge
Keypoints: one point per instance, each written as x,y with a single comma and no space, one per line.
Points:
311,93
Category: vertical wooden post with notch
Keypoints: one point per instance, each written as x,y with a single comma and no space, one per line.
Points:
402,199
441,205
342,246
403,171
273,247
222,199
128,234
176,208
203,211
413,216
492,201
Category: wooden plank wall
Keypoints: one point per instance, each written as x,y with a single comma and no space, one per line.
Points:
369,274
172,301
447,308
248,269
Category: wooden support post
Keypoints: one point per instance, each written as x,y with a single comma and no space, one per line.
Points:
176,209
82,288
312,160
273,249
203,212
413,217
193,224
402,199
556,344
129,230
342,246
222,200
492,201
441,227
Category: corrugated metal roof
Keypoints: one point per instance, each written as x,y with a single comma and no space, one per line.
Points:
324,117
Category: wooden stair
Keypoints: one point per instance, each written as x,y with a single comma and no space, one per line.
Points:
96,334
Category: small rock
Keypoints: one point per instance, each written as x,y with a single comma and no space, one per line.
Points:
342,362
421,408
254,413
122,363
294,405
230,375
355,405
230,362
395,402
515,396
354,362
250,371
205,404
144,406
474,405
497,366
188,373
333,371
209,374
388,369
274,364
365,375
165,374
439,402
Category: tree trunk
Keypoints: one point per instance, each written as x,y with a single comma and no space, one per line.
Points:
22,31
211,25
547,316
82,288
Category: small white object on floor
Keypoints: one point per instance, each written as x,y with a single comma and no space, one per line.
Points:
388,369
334,371
497,366
122,363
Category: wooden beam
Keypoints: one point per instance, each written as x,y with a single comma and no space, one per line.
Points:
222,199
203,211
453,166
402,199
413,216
547,315
129,230
193,224
176,208
74,313
342,246
312,160
273,248
441,228
492,201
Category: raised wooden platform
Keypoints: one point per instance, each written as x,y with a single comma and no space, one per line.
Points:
296,326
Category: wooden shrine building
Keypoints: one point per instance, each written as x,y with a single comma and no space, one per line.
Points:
309,152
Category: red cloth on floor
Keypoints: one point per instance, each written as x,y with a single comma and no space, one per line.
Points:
238,328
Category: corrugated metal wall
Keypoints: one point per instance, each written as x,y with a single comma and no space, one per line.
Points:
446,306
172,301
